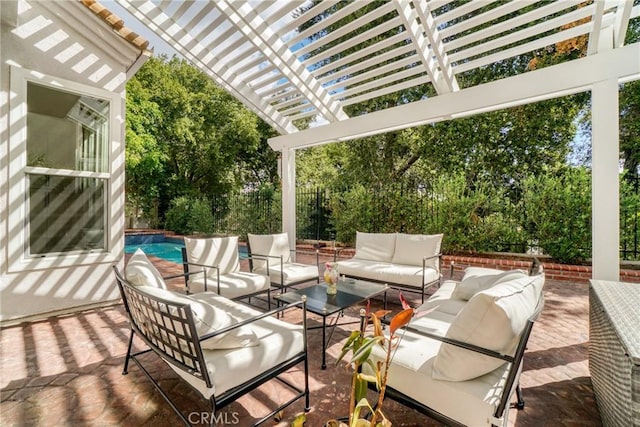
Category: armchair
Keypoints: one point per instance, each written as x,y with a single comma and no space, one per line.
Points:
218,269
271,256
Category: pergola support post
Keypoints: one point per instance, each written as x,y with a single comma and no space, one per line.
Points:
605,180
288,177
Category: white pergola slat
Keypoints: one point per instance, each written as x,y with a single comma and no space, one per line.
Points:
297,63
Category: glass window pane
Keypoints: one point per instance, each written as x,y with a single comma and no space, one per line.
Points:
65,214
66,130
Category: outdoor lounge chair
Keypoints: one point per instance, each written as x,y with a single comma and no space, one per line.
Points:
271,256
220,360
217,269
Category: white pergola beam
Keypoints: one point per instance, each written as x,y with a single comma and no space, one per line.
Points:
445,80
558,80
623,15
254,28
594,36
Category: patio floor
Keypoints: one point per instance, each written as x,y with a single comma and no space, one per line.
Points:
66,370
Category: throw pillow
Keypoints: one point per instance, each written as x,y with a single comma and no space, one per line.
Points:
411,248
493,319
141,272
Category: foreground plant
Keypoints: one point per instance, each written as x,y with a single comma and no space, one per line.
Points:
360,344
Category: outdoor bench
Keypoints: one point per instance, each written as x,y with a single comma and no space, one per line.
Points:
461,362
410,262
221,348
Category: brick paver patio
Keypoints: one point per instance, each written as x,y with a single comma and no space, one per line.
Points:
66,370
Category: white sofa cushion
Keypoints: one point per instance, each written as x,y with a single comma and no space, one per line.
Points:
141,272
408,275
478,279
375,246
208,318
410,249
274,245
217,251
232,285
278,341
471,403
493,319
291,272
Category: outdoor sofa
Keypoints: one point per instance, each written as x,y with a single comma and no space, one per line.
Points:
221,348
461,362
410,262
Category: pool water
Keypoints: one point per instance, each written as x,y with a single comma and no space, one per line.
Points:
169,250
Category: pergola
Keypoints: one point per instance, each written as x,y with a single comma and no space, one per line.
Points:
291,60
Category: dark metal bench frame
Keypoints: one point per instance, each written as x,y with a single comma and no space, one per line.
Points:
169,330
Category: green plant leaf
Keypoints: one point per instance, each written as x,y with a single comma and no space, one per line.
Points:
351,341
362,354
360,390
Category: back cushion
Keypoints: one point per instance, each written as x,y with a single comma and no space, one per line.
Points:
141,272
493,319
217,251
269,244
375,246
411,248
476,281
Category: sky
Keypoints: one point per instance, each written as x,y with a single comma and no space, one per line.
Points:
159,46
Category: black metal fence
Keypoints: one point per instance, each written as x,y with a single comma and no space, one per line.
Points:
502,224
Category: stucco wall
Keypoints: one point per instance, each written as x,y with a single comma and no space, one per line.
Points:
63,40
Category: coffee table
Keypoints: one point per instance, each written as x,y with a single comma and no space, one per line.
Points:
350,293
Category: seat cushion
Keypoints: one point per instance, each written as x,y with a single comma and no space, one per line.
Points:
221,252
470,403
274,245
493,319
375,246
232,285
278,341
208,318
476,280
407,275
441,301
141,272
410,249
289,273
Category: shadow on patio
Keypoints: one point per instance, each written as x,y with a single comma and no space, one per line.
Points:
66,370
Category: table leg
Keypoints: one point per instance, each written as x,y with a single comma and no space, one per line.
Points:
324,342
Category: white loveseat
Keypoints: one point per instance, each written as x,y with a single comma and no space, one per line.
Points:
221,348
461,362
405,261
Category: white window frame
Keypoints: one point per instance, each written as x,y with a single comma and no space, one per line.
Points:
18,218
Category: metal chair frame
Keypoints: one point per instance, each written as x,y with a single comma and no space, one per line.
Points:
169,330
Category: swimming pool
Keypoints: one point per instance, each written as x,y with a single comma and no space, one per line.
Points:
167,248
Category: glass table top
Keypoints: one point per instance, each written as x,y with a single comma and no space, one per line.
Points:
350,292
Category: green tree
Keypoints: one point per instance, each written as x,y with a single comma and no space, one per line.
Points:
188,137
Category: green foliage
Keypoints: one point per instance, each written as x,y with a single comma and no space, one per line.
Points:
188,215
352,211
559,213
186,136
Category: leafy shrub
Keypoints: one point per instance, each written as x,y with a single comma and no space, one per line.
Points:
189,215
559,214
